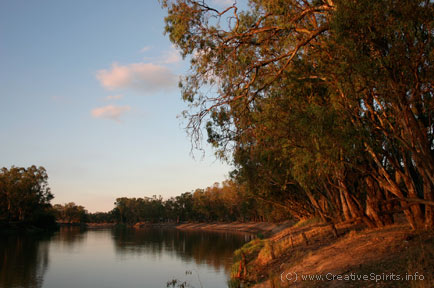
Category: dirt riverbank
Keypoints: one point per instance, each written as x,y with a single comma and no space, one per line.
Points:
377,256
267,229
250,227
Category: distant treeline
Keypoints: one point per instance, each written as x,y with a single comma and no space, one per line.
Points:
221,202
25,198
70,213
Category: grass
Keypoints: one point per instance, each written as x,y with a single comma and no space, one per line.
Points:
307,222
267,253
250,251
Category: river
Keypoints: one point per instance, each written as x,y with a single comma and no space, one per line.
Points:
119,257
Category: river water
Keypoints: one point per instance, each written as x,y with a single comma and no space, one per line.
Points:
76,257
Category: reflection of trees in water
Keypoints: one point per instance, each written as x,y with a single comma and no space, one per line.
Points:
70,236
23,260
212,248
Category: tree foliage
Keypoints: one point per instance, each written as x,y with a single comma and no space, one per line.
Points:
25,196
220,202
70,213
323,105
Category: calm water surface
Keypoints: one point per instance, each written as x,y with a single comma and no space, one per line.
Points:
74,257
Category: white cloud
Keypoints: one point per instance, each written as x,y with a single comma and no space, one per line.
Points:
141,76
114,97
110,112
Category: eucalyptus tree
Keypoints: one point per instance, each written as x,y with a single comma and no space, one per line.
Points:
385,82
350,80
25,195
70,213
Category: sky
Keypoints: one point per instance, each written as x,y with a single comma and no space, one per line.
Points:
88,90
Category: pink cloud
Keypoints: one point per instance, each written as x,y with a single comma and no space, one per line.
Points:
111,112
146,77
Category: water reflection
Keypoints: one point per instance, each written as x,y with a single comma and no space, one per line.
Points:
76,257
212,248
70,237
23,260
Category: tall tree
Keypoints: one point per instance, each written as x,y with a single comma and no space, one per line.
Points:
24,194
352,83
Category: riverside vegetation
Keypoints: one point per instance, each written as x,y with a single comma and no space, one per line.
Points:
324,107
25,199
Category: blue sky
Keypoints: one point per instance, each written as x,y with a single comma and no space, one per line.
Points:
88,89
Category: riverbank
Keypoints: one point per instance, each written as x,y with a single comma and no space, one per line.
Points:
250,227
101,225
263,228
25,228
314,252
